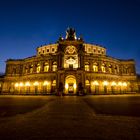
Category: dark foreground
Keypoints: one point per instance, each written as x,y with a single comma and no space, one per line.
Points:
89,117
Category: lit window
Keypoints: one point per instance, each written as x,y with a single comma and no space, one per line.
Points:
113,83
119,83
54,83
46,67
95,67
105,83
103,68
46,83
16,84
27,84
124,84
110,69
115,70
89,49
87,83
38,68
26,70
126,69
31,69
36,83
86,66
21,84
95,83
54,67
14,70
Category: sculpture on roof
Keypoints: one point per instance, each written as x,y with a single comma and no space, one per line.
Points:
70,34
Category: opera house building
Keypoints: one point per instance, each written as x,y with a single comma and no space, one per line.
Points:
70,66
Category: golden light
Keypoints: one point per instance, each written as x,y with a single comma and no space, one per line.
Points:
16,84
66,86
120,84
21,84
75,85
113,83
95,68
103,68
27,84
87,83
36,83
105,83
71,61
124,84
95,83
45,83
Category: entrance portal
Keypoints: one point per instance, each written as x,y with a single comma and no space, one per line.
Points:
70,85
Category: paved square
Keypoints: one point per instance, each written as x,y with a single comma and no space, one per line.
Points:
87,117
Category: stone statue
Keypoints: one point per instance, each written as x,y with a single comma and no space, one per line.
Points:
70,34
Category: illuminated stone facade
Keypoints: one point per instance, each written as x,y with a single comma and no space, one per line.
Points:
72,67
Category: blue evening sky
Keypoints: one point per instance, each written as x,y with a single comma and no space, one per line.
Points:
27,24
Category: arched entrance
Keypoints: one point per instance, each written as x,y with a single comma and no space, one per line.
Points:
70,84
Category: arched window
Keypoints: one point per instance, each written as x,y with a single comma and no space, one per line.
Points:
103,68
54,66
115,69
110,68
95,67
87,83
26,69
38,68
125,70
46,67
31,69
86,66
54,83
14,71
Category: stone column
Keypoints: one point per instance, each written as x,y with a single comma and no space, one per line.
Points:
50,65
60,60
34,67
99,66
91,65
42,66
81,60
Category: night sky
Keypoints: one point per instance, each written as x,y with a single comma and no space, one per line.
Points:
27,24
